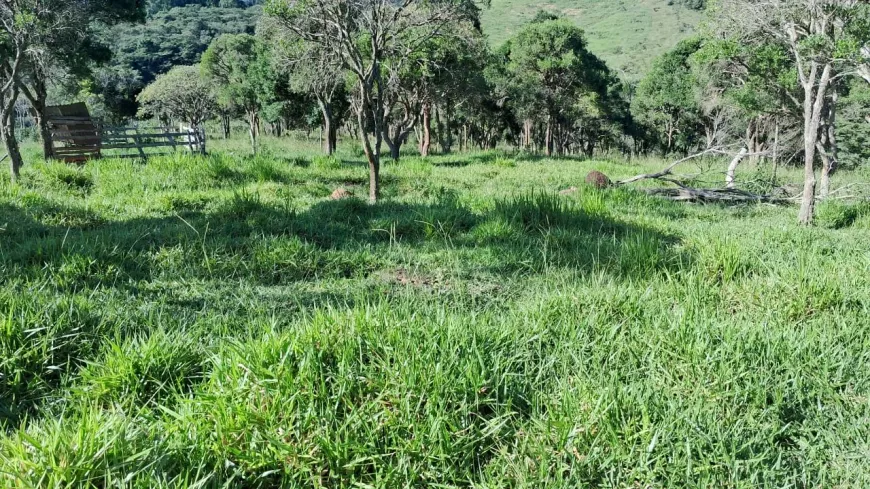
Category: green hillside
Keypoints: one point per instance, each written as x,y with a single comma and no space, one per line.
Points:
628,34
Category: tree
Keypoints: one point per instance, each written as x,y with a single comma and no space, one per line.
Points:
311,70
19,19
181,94
665,98
176,35
236,66
548,69
823,38
64,48
362,34
853,128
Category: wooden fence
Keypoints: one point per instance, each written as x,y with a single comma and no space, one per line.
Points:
77,143
77,138
132,142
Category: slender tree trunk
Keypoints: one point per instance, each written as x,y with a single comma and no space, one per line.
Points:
426,140
548,138
7,133
527,134
775,151
371,156
394,141
253,130
332,137
37,96
814,99
328,126
225,125
448,128
371,108
830,152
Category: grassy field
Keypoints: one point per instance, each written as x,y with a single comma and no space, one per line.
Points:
219,322
628,34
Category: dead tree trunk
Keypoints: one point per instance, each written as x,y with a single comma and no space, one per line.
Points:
732,168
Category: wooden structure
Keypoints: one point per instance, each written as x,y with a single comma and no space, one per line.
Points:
132,142
77,138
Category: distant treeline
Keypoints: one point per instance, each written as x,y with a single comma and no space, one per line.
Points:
693,4
155,6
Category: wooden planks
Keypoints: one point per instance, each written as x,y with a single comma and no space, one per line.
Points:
76,138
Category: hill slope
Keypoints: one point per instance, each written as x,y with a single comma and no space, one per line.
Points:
628,34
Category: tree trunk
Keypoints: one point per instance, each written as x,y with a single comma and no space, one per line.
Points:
367,108
328,127
225,126
394,142
814,99
394,139
332,137
7,133
527,134
253,130
732,168
775,152
830,152
447,147
548,138
371,156
426,140
37,96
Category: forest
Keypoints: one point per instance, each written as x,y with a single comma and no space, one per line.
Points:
441,243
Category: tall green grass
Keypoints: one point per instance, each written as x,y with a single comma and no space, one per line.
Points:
219,322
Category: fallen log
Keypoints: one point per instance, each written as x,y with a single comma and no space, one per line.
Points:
727,195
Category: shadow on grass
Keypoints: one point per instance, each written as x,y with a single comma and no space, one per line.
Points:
246,240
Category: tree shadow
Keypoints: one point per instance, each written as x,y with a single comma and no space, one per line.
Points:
535,229
528,233
69,249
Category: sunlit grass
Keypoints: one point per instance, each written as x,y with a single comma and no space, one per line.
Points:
219,322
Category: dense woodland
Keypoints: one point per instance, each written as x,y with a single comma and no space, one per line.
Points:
789,86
